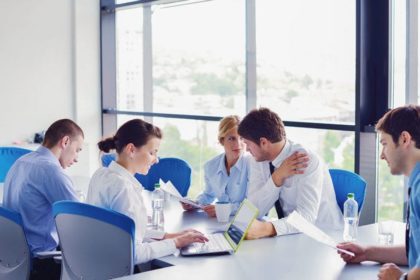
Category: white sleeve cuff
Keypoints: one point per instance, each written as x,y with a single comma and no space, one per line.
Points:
152,235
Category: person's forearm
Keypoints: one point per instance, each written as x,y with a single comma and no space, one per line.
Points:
392,254
414,274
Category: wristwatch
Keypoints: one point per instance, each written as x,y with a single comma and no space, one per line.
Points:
404,276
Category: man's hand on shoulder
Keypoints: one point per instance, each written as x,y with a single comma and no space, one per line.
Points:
260,229
294,164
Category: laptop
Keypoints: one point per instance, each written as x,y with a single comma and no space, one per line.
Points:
230,240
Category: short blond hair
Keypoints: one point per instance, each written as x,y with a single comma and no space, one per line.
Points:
227,124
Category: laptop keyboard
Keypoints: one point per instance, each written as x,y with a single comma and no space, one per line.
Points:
217,242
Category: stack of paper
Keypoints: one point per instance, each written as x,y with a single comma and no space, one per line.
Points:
168,187
300,223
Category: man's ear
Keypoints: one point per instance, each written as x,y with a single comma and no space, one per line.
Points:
405,138
64,142
263,142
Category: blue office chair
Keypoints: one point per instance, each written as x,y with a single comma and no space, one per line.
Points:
96,243
106,159
176,170
348,182
8,156
15,257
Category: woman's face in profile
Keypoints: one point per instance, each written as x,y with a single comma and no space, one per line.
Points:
146,155
233,144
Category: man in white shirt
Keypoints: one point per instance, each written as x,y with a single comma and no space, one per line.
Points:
298,179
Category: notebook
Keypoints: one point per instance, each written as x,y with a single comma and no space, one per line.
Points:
230,240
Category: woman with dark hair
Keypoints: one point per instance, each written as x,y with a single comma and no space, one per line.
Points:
115,187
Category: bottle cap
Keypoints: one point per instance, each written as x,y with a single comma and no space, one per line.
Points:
157,185
350,195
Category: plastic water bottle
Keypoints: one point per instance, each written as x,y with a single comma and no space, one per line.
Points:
351,218
158,219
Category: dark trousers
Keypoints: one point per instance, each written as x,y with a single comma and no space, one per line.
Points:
45,269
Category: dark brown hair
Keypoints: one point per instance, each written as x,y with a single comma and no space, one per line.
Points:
135,131
262,123
60,129
405,118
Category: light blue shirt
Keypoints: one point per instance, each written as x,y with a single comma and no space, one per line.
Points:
414,235
223,187
33,184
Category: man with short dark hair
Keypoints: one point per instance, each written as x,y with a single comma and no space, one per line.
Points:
286,175
399,134
37,180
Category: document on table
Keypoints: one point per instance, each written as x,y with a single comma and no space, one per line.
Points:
300,223
168,187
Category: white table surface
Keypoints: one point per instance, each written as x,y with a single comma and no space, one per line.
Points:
285,257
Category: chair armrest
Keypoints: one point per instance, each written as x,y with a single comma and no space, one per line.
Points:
47,254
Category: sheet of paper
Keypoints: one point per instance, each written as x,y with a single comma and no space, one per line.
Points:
300,223
169,188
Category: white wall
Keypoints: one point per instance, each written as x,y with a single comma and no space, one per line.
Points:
50,69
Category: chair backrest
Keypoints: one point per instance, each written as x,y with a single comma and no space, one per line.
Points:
8,156
106,159
15,257
96,243
176,170
345,182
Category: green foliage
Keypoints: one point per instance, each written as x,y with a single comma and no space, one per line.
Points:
331,141
209,83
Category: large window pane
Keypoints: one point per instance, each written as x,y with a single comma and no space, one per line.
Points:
306,59
129,48
398,47
390,187
199,58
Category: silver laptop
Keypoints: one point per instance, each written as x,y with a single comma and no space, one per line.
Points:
230,240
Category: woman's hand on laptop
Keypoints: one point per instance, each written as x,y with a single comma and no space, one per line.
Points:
210,210
176,234
188,238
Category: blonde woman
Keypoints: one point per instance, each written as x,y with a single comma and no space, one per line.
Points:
226,175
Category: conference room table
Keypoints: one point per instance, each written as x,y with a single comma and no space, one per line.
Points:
294,256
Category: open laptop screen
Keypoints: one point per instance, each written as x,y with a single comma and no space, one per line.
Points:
240,224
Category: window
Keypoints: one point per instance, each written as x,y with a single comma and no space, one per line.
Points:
336,148
183,65
391,187
129,52
306,59
199,58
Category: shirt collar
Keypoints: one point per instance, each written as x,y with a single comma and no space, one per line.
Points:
283,154
119,169
222,167
44,151
414,174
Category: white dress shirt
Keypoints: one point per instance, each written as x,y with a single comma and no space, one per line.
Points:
113,187
311,194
